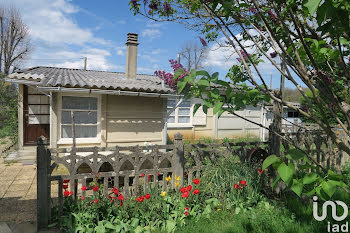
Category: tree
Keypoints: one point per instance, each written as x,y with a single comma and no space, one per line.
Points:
310,37
14,39
192,54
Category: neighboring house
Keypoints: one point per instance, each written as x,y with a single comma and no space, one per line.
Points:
227,126
109,108
210,126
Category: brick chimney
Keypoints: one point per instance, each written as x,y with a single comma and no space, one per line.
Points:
131,55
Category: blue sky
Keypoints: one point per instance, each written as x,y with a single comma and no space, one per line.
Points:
63,32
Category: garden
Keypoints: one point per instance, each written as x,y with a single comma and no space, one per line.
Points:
230,195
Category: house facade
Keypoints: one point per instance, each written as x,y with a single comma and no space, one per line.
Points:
99,108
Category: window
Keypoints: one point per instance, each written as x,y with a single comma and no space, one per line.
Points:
85,117
292,114
182,114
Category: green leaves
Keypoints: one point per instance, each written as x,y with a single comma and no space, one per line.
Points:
286,171
217,107
270,160
312,5
297,186
309,178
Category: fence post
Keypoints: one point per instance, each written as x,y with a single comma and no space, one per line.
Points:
274,140
179,158
43,184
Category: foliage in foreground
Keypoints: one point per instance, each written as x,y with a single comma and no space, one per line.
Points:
226,185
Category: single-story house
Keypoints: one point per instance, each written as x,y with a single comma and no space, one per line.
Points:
227,126
109,108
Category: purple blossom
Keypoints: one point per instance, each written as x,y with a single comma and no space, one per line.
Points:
135,3
204,43
272,16
153,5
167,7
169,77
252,9
274,54
244,55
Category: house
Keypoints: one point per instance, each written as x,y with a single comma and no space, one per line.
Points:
211,126
108,108
227,126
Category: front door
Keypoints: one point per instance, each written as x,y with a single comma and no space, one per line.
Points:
36,112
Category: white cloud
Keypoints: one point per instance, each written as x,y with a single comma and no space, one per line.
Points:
121,50
224,57
151,33
157,51
52,22
96,59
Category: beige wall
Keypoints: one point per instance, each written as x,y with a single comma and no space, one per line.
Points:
124,121
134,120
197,131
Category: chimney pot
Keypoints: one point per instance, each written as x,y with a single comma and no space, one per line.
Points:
131,55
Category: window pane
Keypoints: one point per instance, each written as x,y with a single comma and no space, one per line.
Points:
171,119
85,117
86,131
38,119
45,109
290,114
183,119
33,99
71,102
66,131
184,111
185,103
171,103
80,131
44,99
66,118
34,109
173,112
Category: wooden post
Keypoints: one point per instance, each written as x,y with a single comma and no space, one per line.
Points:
179,158
274,140
43,184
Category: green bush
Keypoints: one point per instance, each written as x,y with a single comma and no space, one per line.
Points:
223,181
263,218
8,110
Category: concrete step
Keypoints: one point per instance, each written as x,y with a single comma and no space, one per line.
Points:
25,156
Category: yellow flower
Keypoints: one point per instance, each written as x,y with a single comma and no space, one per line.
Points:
177,178
219,204
177,184
219,209
168,179
163,193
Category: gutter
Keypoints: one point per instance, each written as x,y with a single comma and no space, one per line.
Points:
91,91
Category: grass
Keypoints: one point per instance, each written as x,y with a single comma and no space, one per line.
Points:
264,218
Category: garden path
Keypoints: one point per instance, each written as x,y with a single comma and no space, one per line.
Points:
17,198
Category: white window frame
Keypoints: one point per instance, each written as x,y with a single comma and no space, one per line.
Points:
96,139
176,111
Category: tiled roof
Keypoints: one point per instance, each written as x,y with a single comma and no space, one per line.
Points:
78,78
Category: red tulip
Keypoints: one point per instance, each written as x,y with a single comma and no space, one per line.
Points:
121,197
95,188
182,190
147,196
140,199
189,188
243,182
65,181
82,198
196,191
186,213
186,209
66,193
237,186
65,186
143,175
185,194
196,181
84,188
261,171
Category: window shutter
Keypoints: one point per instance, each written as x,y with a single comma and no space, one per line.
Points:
200,118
